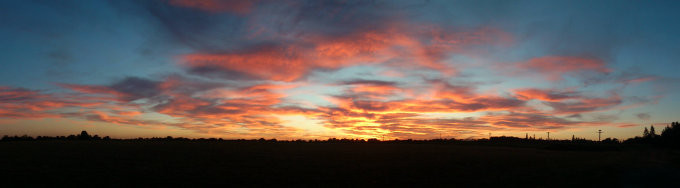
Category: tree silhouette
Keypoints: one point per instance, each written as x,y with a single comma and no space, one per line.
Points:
670,135
666,131
610,141
84,136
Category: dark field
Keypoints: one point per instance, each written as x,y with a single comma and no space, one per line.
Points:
187,164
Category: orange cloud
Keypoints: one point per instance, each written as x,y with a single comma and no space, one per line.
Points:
359,113
291,61
129,113
22,103
273,63
373,89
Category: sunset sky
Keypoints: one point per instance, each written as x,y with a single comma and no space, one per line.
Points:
291,69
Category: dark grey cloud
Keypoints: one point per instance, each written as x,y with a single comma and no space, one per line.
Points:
136,88
485,104
584,106
220,73
267,22
526,120
644,116
338,17
371,105
186,27
369,82
17,94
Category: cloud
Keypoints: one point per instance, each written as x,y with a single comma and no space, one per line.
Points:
136,88
235,6
268,62
24,103
193,104
374,89
544,94
625,77
643,116
369,82
363,112
128,89
482,103
627,125
640,80
365,108
94,89
555,67
289,61
535,121
585,105
217,72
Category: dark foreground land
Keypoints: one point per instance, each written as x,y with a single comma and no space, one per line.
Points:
189,164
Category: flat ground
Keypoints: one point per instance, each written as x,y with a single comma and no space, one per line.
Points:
184,163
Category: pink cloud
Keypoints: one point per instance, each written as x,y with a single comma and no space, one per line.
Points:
23,103
640,80
95,89
554,67
273,63
400,44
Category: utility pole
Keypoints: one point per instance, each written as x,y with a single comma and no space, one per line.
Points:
548,135
599,135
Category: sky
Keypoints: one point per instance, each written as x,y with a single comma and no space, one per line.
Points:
290,69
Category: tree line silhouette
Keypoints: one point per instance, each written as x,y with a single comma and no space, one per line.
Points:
669,137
